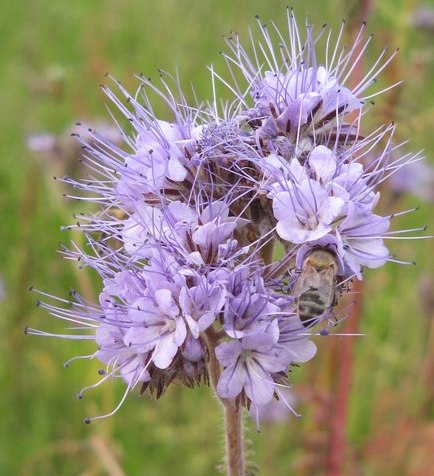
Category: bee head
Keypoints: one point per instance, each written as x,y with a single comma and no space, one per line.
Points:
321,259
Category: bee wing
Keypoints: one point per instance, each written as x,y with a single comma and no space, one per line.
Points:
307,279
327,287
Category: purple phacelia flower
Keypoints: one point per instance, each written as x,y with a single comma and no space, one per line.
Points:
158,162
157,326
360,239
303,99
297,101
249,365
191,207
249,308
305,212
201,304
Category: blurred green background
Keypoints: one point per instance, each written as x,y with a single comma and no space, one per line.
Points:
377,388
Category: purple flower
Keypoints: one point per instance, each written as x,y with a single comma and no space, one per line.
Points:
249,307
360,239
215,228
158,161
350,184
305,213
322,162
293,340
197,233
150,225
191,206
156,326
304,97
113,351
202,303
298,102
249,365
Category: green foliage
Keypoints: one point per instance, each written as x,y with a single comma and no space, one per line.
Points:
54,55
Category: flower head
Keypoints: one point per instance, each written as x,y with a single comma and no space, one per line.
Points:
189,212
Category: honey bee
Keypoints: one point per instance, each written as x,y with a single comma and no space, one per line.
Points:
315,287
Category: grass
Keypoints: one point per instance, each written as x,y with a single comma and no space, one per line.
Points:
54,55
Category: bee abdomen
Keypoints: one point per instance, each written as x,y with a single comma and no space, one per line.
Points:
310,306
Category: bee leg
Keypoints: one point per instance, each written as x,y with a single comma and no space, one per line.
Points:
331,316
335,299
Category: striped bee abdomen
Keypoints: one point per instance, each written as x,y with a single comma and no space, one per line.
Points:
310,306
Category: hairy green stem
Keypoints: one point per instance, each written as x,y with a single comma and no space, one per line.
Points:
233,415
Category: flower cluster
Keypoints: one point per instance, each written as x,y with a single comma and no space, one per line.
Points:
193,290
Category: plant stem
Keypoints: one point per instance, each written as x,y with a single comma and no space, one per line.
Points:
233,414
234,438
213,364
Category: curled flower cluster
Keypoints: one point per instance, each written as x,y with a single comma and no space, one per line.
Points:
192,288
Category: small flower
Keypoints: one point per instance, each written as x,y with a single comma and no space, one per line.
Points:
360,239
323,163
249,365
305,213
202,303
159,160
113,352
149,225
156,326
249,309
293,340
303,99
215,228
